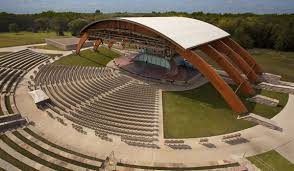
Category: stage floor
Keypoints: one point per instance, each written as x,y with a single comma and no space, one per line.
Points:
150,70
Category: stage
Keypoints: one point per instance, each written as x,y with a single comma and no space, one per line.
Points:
152,71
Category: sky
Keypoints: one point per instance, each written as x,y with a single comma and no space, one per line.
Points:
106,6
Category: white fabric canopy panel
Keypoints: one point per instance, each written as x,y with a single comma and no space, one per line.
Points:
186,32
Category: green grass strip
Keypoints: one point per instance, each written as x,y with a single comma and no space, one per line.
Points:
10,159
181,168
28,154
29,131
271,159
52,154
89,58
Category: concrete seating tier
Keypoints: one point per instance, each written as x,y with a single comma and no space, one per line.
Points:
13,67
23,60
30,151
21,150
101,99
71,90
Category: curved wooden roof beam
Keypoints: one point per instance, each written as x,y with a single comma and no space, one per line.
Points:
230,69
221,86
236,59
110,43
84,37
179,43
244,54
97,43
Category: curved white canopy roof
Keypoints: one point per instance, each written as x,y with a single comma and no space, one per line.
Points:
186,32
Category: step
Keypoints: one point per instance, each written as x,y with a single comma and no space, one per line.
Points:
261,121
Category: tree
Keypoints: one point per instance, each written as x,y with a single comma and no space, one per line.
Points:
76,25
59,25
284,37
13,27
41,24
98,11
243,38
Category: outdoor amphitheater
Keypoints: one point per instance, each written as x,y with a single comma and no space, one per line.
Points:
125,113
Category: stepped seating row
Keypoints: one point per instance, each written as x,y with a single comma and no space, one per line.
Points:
26,150
109,129
13,67
12,124
68,95
101,99
22,150
50,74
112,123
9,79
133,116
23,60
127,119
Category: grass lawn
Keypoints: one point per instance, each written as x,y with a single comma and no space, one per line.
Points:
277,62
89,58
25,38
203,112
47,47
271,159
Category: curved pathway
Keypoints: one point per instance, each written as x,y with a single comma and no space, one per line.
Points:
18,48
258,139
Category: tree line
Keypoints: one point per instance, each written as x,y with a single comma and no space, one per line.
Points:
273,31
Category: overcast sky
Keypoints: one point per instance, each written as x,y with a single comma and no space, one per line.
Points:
213,6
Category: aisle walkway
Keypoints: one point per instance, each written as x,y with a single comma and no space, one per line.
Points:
258,139
18,48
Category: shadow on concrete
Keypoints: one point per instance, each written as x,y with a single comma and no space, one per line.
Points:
236,141
180,146
209,145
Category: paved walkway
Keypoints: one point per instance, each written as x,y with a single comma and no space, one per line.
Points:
287,150
18,48
257,139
